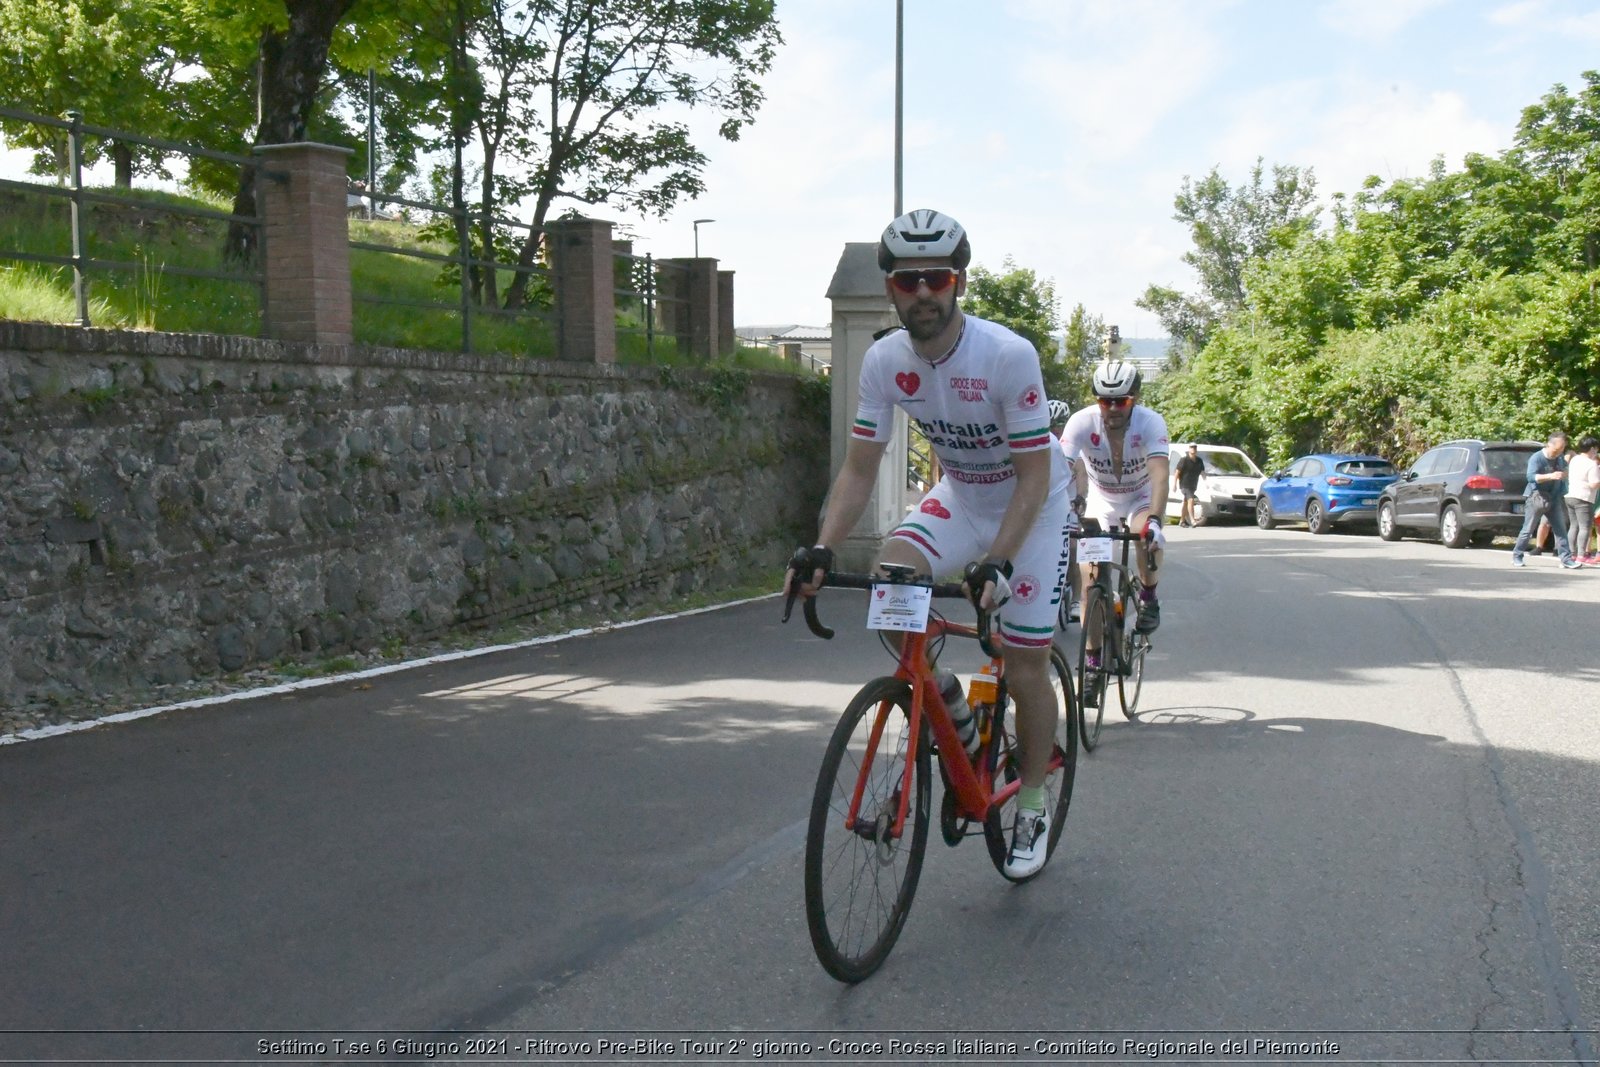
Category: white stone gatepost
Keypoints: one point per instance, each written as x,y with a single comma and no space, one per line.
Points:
861,309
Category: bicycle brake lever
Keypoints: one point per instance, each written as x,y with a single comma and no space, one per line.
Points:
815,623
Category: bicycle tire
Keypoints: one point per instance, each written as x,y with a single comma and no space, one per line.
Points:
1091,615
1131,647
1130,684
852,936
1057,786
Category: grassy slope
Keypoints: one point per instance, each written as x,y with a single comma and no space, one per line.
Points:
149,294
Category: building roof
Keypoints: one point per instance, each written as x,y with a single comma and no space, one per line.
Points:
785,332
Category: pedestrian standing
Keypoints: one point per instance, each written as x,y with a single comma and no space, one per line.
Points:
1547,481
1186,479
1583,477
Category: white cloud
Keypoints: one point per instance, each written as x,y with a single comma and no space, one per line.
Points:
1373,20
1110,73
1394,133
1523,13
1586,27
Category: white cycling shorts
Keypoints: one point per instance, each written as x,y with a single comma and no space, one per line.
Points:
1113,513
949,539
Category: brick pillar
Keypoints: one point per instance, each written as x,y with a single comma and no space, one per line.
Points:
726,341
703,315
585,281
672,311
307,242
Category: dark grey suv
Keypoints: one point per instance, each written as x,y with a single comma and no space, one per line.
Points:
1459,491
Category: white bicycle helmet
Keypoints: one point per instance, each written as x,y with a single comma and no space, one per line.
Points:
1116,377
924,234
1059,411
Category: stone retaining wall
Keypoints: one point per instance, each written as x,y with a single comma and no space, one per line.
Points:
174,507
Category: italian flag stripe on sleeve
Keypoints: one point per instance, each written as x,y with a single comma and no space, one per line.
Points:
1029,438
863,428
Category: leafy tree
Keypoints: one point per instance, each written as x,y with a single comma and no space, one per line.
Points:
114,62
611,75
1230,227
1017,299
1558,140
1083,345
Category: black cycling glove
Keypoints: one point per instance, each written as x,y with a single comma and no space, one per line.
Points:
990,570
807,561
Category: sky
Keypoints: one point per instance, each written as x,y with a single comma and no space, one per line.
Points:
1059,131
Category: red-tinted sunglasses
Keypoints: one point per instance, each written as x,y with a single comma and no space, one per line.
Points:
1115,401
937,279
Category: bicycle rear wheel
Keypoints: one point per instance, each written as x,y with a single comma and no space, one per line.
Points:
1057,785
1092,681
859,880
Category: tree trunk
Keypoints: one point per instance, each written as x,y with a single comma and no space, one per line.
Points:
293,61
517,291
122,158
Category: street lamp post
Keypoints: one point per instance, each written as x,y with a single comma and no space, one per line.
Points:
899,103
697,223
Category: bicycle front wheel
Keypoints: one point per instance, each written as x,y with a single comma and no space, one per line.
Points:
1130,657
1093,619
860,878
1057,784
1131,681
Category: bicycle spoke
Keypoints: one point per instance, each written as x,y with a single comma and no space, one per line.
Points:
859,882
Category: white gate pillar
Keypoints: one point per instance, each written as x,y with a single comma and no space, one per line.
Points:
861,309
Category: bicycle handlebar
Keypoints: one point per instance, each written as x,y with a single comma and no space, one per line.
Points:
1122,534
941,590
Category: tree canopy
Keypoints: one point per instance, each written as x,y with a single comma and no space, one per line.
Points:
1018,299
1460,304
576,101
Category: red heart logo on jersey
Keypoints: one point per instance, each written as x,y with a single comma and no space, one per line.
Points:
880,593
933,507
1094,439
909,382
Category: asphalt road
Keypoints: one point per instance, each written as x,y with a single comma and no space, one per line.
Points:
1361,809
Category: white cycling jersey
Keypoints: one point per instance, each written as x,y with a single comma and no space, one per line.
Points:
980,403
1113,492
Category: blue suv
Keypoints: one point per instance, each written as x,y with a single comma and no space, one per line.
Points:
1324,489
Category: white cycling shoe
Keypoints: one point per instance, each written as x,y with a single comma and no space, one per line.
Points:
1030,844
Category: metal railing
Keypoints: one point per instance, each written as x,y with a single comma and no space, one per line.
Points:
652,295
78,258
476,296
652,287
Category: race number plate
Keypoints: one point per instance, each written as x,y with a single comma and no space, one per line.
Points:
1094,550
898,607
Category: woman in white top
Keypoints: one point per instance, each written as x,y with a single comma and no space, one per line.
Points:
1583,477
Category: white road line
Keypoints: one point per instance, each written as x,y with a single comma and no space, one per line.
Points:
40,732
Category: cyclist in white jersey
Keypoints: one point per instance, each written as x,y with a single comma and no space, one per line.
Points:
975,390
1122,450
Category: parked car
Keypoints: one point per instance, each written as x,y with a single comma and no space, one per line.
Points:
1459,491
1324,489
1227,488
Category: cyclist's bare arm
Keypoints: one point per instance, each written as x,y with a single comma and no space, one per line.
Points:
848,498
1160,469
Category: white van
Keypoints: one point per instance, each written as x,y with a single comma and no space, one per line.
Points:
1227,489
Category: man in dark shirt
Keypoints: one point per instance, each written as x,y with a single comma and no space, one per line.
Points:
1186,479
1547,485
